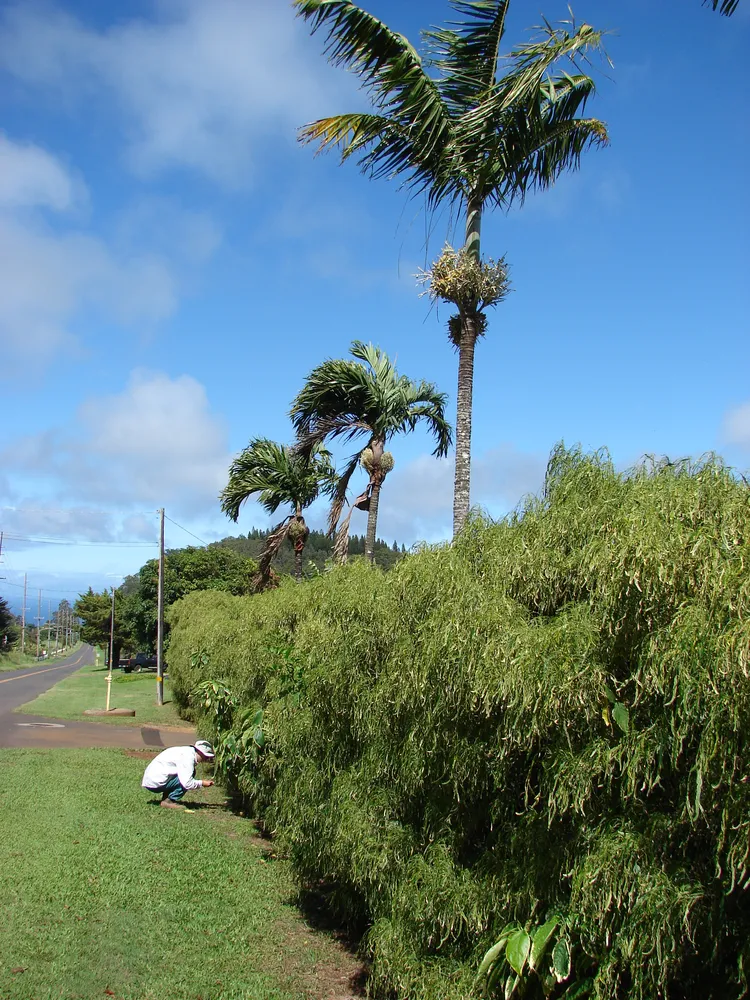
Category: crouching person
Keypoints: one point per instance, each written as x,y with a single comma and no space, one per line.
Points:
172,772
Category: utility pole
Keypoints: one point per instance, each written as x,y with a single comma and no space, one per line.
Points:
160,617
1,550
111,647
38,622
49,629
23,617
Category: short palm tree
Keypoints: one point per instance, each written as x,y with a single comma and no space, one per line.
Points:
370,399
465,126
278,476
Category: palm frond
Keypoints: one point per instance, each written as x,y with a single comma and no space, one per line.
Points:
727,7
276,475
341,543
543,156
467,52
530,64
432,411
273,543
366,396
339,497
392,72
530,110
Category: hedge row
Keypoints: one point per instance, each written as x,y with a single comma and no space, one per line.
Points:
544,725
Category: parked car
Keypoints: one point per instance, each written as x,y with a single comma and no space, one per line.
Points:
140,662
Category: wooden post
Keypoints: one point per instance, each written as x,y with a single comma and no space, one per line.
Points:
160,617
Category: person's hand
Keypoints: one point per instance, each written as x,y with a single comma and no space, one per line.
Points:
207,784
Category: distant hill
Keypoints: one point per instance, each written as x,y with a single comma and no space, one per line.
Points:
319,548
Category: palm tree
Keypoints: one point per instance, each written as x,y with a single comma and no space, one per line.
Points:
348,399
464,126
727,7
279,476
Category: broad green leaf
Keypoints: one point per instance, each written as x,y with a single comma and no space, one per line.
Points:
621,716
259,738
491,956
561,960
510,985
610,694
517,951
540,940
495,951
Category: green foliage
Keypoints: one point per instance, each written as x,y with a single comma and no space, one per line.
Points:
9,630
278,475
318,551
95,613
547,720
185,570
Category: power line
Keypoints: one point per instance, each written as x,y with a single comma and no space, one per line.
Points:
47,590
68,541
201,540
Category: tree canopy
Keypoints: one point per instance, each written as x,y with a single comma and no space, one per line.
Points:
9,630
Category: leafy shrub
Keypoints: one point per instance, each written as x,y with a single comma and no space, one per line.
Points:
545,721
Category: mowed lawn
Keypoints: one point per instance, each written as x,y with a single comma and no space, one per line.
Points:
87,688
104,894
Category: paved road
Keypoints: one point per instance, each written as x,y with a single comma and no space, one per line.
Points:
19,686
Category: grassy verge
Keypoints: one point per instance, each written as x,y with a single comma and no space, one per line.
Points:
102,893
87,688
15,660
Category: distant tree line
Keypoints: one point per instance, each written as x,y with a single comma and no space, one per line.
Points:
318,550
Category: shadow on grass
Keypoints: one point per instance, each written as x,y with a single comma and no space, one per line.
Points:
325,908
196,806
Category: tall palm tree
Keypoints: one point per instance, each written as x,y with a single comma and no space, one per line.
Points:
727,7
278,476
465,126
371,400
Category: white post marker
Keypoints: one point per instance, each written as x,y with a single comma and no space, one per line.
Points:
111,648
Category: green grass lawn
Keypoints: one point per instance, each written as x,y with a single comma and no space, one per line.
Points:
103,894
87,688
16,659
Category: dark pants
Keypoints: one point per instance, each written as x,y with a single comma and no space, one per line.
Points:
171,789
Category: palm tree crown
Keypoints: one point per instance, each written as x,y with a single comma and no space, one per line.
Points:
278,476
464,125
366,398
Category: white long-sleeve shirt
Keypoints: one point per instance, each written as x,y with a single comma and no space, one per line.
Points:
178,761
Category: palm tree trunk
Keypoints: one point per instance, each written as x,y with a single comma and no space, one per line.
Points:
462,477
298,548
372,522
464,396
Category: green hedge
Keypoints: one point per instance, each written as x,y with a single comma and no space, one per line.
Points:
549,718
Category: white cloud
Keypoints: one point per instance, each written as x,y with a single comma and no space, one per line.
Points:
737,426
201,87
156,443
48,279
54,279
31,177
417,500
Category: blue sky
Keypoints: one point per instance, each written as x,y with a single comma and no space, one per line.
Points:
174,263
